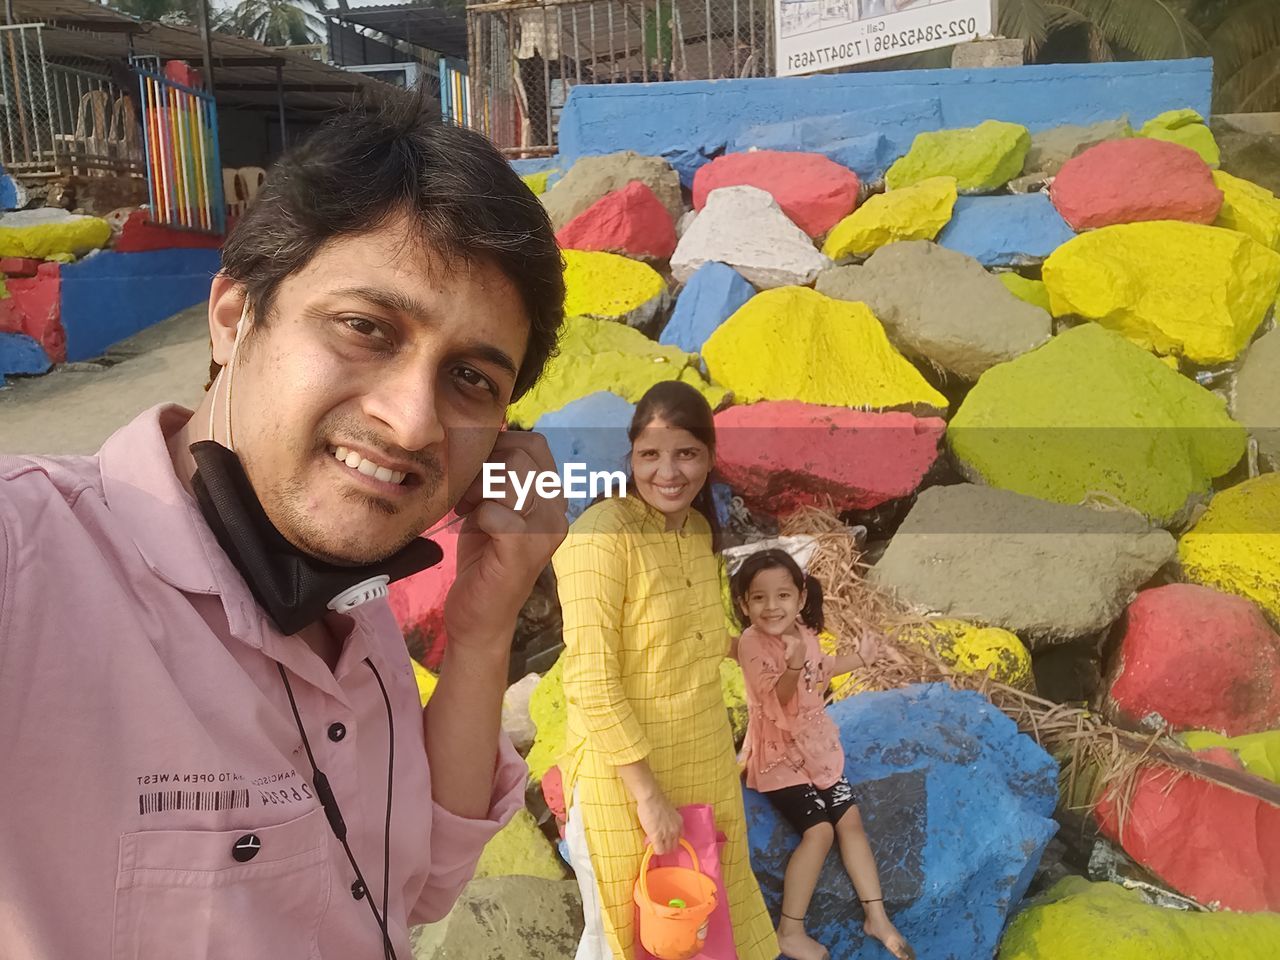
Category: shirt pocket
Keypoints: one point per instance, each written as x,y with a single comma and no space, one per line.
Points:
182,893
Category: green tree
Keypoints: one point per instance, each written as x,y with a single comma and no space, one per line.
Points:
188,10
276,23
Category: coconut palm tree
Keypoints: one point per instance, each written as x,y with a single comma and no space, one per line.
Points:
276,23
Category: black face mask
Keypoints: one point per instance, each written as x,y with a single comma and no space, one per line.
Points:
295,589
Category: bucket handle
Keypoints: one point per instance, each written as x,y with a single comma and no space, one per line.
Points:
648,858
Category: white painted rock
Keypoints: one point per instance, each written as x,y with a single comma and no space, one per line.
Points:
516,720
745,228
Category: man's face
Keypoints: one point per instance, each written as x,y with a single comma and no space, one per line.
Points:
368,402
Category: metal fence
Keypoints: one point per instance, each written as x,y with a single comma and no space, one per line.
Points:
526,56
455,95
184,172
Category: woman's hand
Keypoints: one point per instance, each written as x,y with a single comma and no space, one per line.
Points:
661,822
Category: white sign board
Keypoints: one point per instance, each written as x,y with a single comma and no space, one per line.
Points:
816,35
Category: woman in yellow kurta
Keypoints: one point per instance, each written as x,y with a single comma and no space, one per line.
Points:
644,636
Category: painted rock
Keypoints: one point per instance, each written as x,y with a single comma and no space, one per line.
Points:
1089,414
1044,571
1235,545
1079,920
1248,208
593,178
1029,291
941,305
970,648
591,431
631,221
51,234
605,286
597,354
917,212
550,715
780,456
1255,397
1007,231
1052,148
1126,181
1182,631
20,354
1203,839
1174,288
745,228
958,806
1258,753
543,916
1187,128
814,192
982,158
520,849
820,350
418,602
710,298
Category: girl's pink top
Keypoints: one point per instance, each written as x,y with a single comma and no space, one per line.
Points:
796,742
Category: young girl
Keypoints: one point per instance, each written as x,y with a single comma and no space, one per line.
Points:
793,747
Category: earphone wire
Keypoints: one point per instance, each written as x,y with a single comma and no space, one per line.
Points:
334,815
391,765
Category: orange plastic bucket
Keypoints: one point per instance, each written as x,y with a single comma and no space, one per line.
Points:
674,906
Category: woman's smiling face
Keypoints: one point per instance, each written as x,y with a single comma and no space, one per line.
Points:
669,467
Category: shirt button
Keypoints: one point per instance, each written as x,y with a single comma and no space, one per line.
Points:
337,732
246,848
697,636
688,582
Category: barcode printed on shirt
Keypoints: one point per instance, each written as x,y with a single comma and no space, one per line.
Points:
192,800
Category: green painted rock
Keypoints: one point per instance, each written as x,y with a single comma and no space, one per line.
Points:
982,158
1187,128
1259,753
734,689
1079,920
1181,289
792,343
606,286
917,212
549,711
1255,397
1091,415
1248,208
1033,292
520,849
604,355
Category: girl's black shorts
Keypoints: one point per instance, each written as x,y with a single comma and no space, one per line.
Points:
804,805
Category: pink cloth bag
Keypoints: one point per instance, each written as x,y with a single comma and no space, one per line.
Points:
701,833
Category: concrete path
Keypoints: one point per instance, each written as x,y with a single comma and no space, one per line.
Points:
77,406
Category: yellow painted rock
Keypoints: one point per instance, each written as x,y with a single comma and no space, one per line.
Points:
1235,546
606,286
981,158
44,235
734,689
844,685
1175,288
537,182
792,343
917,212
1033,292
603,355
550,714
1259,752
1079,920
974,649
1185,127
520,849
1248,208
426,681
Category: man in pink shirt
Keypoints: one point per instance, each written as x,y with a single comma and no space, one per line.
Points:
213,742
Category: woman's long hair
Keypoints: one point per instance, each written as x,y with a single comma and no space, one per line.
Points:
681,406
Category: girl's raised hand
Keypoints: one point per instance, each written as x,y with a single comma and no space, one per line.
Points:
794,650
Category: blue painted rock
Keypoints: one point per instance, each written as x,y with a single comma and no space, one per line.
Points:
21,354
591,431
1006,231
958,806
710,298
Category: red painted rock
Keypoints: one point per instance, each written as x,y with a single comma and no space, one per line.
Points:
814,192
631,221
1205,840
780,456
418,601
1198,660
1126,181
34,308
140,233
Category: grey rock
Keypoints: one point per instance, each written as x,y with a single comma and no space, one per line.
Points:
1255,400
1251,156
1046,571
996,52
591,178
1050,149
506,918
941,305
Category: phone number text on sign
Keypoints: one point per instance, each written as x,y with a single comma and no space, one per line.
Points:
812,34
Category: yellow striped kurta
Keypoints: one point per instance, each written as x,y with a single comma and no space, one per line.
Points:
644,636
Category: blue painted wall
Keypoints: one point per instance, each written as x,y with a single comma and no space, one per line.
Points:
111,296
659,117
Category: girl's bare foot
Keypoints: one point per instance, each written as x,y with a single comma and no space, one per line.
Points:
800,946
888,934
